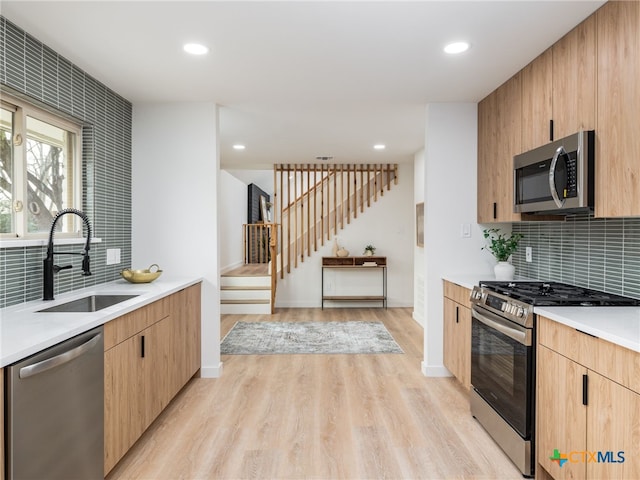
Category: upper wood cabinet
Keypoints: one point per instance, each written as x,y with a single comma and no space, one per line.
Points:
499,127
618,118
536,102
574,80
559,88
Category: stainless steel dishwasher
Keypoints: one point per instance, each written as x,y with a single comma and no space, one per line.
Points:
55,411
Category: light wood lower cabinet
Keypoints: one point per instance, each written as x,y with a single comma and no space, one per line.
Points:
583,416
457,332
145,370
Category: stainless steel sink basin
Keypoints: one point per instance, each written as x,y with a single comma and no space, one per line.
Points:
92,303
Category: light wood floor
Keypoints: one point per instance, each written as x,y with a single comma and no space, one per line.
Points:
320,417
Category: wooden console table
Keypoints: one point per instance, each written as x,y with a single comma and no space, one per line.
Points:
362,263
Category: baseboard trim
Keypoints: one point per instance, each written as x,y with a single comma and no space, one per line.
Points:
417,319
233,266
435,371
211,372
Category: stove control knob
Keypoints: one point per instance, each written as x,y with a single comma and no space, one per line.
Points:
520,312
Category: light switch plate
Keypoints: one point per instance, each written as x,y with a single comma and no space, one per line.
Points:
529,254
465,230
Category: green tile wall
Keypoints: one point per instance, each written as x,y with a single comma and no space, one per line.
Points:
34,71
603,254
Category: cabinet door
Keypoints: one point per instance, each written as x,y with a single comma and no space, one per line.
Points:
574,80
499,139
457,341
618,111
158,368
536,102
124,399
561,416
613,425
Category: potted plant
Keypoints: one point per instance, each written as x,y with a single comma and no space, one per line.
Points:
502,247
369,250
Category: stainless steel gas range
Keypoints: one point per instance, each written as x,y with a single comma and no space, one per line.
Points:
503,357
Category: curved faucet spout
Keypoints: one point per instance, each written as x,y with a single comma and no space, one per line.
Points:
49,267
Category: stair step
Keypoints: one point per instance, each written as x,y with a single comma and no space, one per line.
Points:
245,308
245,302
245,287
244,281
246,294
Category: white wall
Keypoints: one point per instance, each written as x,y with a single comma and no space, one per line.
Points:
450,188
418,252
389,226
233,196
175,203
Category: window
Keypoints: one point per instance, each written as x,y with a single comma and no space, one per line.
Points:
39,171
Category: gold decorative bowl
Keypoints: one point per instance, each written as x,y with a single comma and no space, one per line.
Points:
141,276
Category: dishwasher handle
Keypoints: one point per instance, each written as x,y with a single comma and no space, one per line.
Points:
66,357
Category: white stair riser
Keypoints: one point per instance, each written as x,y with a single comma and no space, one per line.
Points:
245,294
264,281
245,308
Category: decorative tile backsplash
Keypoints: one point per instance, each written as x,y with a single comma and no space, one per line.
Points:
34,71
603,254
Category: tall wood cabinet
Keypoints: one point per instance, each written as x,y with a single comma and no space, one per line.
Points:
617,145
499,127
150,354
588,400
457,332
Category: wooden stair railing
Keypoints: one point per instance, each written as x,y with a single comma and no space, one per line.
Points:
312,200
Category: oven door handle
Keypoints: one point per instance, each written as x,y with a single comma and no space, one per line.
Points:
492,320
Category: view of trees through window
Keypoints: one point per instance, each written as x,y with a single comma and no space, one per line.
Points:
36,173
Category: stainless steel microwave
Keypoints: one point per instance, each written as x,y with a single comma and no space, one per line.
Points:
557,177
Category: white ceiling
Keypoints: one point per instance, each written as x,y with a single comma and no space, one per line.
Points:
300,79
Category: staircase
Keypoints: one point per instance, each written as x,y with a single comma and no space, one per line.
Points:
246,290
310,203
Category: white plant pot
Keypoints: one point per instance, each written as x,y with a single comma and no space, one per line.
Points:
504,271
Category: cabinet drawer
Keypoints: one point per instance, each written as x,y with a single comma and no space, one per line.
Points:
457,293
126,326
608,359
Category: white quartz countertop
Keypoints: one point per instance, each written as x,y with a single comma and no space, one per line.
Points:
25,331
468,280
619,325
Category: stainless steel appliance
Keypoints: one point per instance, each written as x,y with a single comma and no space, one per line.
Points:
557,177
503,357
55,412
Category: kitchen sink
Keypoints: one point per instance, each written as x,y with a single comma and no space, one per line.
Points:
91,303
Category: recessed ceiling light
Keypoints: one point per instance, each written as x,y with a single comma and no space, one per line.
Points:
456,47
379,146
195,49
237,146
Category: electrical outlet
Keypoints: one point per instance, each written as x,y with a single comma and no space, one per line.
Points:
529,254
113,256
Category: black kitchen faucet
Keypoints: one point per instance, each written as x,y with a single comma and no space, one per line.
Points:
49,268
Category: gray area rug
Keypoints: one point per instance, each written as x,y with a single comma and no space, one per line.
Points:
266,338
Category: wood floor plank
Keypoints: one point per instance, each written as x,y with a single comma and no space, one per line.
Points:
319,417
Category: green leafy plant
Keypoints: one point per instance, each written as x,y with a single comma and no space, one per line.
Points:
500,245
370,248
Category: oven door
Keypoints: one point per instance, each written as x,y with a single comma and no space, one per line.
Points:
502,359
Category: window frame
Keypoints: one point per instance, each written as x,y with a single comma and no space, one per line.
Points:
21,110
